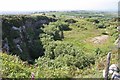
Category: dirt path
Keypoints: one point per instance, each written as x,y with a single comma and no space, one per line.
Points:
99,39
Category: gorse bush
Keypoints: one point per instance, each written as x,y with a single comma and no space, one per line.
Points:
62,54
101,25
44,67
56,29
67,54
13,67
52,31
70,21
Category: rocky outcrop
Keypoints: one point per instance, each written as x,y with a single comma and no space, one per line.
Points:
99,39
22,34
5,47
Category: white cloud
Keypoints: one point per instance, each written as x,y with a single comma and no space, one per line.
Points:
28,5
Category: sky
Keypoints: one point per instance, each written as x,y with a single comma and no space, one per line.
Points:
58,5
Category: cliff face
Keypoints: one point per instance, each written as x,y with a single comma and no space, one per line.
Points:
20,35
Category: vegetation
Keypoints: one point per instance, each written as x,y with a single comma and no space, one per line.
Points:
58,44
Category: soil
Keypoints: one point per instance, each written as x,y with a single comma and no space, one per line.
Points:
100,39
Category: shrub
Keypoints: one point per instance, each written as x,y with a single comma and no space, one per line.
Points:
70,21
52,30
100,25
13,67
83,60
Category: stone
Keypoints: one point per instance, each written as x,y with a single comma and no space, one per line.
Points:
18,46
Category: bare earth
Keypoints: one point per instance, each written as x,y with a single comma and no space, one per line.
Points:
99,39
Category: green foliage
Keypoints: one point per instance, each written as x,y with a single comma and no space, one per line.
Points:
55,29
67,54
61,25
53,16
93,20
36,51
60,46
70,21
13,67
65,49
98,51
101,25
49,51
52,30
45,38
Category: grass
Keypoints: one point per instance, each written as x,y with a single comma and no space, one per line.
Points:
80,35
80,38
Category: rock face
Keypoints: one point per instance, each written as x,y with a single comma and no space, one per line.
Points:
20,35
5,47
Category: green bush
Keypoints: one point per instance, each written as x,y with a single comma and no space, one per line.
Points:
52,30
70,21
13,67
83,60
67,55
101,25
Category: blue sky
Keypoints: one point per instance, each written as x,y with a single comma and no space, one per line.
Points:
61,5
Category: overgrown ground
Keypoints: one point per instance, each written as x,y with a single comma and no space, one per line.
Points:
82,38
71,54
